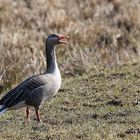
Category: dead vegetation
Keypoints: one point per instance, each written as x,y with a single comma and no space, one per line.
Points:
102,33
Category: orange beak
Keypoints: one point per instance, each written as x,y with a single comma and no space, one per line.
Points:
61,39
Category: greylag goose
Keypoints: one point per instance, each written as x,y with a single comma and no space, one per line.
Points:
39,88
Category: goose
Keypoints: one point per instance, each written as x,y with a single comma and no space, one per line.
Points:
38,88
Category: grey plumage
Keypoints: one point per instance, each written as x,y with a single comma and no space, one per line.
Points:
23,91
37,89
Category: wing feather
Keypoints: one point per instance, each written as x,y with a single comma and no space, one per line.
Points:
22,91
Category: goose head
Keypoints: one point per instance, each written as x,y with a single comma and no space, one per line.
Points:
56,39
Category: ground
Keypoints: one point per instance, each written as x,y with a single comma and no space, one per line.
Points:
93,106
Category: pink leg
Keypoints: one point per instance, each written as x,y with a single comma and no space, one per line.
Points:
27,114
37,114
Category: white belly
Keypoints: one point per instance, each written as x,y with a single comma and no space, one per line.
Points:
52,87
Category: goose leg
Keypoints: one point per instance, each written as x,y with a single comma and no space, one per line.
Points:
37,114
27,114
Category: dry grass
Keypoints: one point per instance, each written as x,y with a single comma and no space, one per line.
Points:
101,33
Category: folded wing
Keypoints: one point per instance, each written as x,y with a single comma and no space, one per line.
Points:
22,92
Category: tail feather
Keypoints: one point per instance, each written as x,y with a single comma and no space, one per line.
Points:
2,109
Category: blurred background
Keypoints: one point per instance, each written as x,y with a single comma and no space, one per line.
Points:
103,33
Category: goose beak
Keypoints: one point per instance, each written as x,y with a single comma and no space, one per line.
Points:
61,39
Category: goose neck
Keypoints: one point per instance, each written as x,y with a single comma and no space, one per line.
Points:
51,59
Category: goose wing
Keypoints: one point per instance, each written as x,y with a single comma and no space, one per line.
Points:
22,91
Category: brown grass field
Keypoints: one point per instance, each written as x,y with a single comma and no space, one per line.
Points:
101,64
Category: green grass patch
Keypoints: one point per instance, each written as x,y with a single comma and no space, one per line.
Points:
103,105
